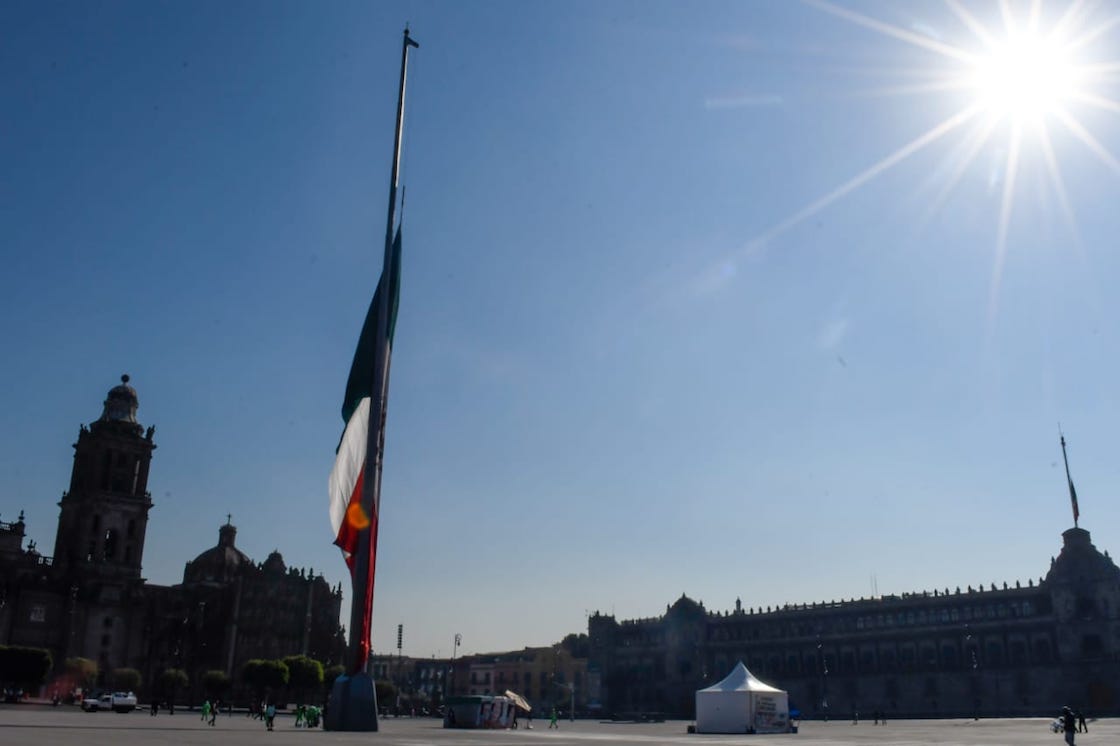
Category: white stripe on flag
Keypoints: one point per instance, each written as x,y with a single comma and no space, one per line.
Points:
348,464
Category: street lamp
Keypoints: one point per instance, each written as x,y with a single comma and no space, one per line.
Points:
572,689
451,673
823,662
971,648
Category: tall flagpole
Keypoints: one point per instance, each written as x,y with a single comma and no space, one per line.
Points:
364,558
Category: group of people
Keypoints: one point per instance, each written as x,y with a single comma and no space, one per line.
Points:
210,712
307,716
878,715
1072,722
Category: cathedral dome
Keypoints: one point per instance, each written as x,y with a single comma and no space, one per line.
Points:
275,564
121,403
218,564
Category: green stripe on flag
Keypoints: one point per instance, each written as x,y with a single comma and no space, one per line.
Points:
360,383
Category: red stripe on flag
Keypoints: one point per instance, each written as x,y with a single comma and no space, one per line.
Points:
367,615
353,522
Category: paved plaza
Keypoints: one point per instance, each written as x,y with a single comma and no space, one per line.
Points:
32,725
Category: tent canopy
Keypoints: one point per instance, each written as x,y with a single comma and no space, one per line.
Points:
742,703
741,680
518,700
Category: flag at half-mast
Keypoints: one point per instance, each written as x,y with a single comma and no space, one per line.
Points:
1073,500
348,518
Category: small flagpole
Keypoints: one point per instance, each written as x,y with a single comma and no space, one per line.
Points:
364,558
1069,480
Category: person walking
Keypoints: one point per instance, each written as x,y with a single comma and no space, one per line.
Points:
269,715
206,710
1082,726
1069,724
213,713
553,720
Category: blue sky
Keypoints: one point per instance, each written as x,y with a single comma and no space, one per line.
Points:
622,370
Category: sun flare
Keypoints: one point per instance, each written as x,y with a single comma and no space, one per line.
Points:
1026,80
1025,77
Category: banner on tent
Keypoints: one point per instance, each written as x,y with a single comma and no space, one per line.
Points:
771,714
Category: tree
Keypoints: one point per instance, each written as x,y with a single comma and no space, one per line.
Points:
215,683
251,675
386,693
330,674
171,681
276,674
304,673
80,672
264,675
578,646
125,679
24,667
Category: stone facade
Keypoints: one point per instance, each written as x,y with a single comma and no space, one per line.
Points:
90,600
1013,651
545,676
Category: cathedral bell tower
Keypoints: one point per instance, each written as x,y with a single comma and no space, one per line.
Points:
105,512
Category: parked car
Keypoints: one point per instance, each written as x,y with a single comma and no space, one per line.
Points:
122,701
91,703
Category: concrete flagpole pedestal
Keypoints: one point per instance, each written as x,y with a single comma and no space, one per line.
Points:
352,705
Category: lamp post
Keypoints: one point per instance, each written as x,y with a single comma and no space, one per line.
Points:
458,640
572,690
973,662
823,665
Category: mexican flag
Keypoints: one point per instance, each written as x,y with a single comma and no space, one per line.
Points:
366,387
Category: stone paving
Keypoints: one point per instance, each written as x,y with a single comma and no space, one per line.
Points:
33,725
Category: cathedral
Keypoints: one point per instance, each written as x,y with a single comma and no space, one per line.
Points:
90,600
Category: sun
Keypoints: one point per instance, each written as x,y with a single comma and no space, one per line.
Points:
1025,78
1026,75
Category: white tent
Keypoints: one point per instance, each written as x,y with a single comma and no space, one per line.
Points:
742,704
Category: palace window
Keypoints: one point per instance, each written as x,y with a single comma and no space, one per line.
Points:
1092,645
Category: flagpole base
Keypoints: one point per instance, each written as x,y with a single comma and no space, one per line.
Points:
353,704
